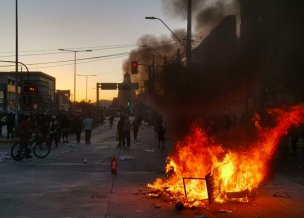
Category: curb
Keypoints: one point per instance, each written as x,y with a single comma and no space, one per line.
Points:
9,140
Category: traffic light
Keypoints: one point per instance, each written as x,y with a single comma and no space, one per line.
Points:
30,100
31,88
128,103
101,108
134,67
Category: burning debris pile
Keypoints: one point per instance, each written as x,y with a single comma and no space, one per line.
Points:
231,171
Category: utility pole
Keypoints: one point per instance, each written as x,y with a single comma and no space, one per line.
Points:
188,48
16,78
153,73
97,95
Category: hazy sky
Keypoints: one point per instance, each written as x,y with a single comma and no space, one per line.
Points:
45,26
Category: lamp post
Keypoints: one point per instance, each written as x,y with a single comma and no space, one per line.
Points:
155,18
86,84
75,51
188,47
16,80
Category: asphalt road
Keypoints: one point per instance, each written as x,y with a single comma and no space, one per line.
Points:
63,185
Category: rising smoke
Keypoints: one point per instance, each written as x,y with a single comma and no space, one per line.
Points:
206,15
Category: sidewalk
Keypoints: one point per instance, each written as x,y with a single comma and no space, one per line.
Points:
62,185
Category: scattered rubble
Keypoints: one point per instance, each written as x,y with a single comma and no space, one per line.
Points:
281,196
126,157
225,211
4,155
179,206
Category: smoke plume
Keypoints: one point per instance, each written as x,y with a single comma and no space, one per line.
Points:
207,14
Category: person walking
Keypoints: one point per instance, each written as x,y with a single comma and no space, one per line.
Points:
65,128
111,119
135,127
77,127
120,127
160,130
10,125
88,127
127,128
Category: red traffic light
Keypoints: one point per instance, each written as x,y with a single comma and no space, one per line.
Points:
134,67
32,89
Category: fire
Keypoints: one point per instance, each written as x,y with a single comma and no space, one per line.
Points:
231,171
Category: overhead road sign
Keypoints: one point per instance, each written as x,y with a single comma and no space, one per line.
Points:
108,86
128,86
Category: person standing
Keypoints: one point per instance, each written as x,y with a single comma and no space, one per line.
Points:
120,127
54,125
135,126
65,128
161,130
88,126
77,127
111,119
10,125
127,128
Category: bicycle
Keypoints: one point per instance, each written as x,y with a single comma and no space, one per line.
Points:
40,148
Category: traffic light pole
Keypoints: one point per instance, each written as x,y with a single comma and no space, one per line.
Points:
97,95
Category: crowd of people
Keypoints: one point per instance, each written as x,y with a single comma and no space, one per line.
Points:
124,127
53,127
57,128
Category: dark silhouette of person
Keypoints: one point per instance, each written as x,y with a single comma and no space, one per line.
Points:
120,127
161,130
135,125
111,119
77,127
10,125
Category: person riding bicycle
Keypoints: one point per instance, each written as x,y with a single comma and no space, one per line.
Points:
27,132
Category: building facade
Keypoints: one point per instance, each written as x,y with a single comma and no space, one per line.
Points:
41,100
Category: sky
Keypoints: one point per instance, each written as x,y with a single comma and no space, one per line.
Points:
107,27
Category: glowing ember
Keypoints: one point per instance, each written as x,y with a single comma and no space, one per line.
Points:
232,171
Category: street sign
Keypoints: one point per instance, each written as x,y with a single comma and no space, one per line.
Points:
108,86
128,86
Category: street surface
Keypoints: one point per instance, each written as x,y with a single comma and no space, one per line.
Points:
63,185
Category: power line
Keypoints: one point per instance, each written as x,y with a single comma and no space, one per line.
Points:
42,50
104,57
92,47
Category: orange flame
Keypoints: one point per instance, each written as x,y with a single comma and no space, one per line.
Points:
232,171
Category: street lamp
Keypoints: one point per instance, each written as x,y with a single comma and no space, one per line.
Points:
16,80
75,51
155,18
86,84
